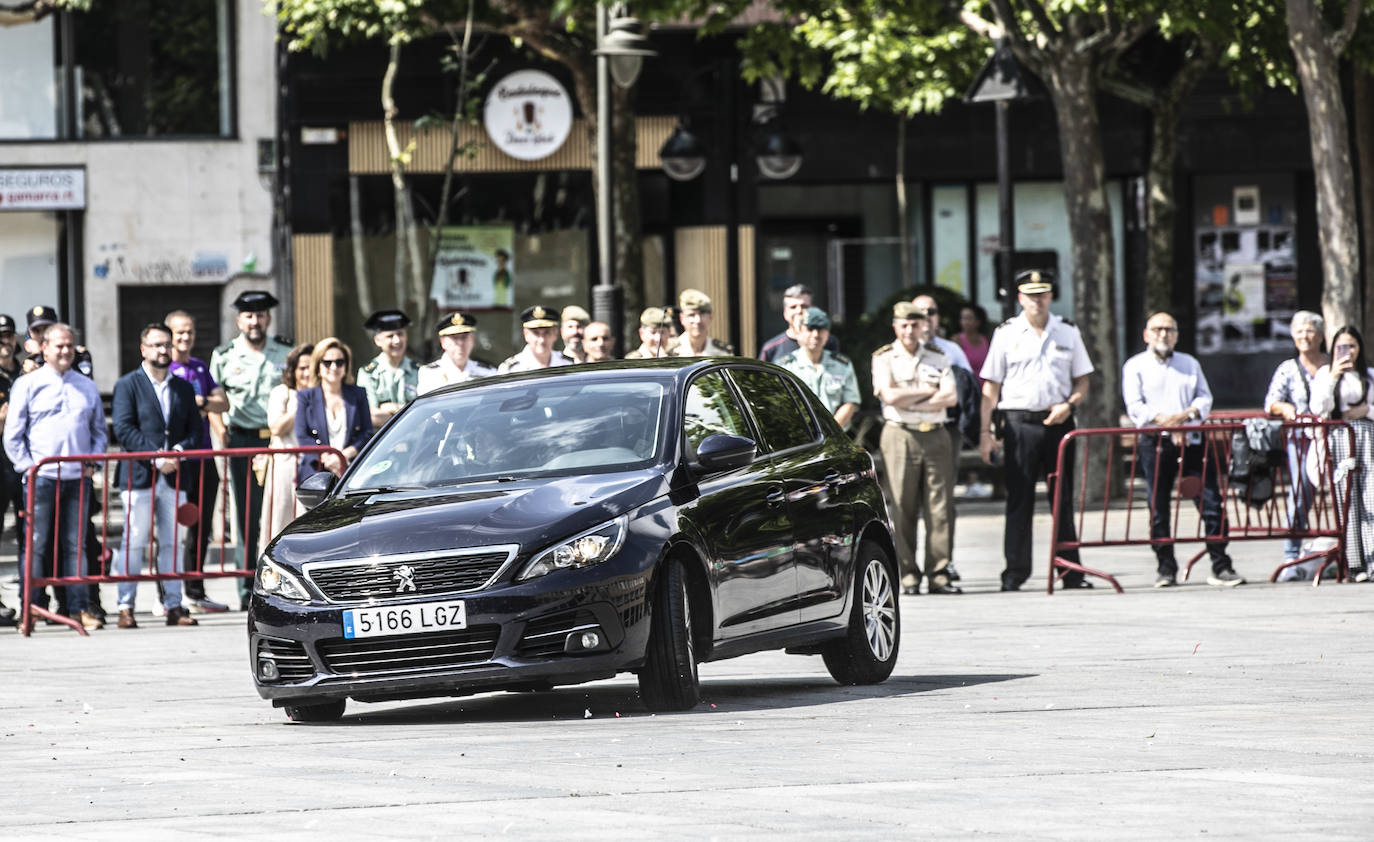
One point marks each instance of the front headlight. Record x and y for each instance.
(273, 580)
(591, 547)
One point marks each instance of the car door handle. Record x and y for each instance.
(776, 497)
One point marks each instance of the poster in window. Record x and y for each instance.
(473, 269)
(1246, 288)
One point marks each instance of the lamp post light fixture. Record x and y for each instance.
(682, 155)
(620, 52)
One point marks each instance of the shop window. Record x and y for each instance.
(28, 81)
(29, 270)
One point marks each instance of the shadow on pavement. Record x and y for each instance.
(727, 696)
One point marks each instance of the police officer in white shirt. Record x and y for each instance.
(457, 336)
(1035, 374)
(1166, 388)
(540, 325)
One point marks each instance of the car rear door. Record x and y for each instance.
(741, 517)
(811, 473)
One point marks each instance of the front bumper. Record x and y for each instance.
(516, 636)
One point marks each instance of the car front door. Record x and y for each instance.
(811, 474)
(741, 517)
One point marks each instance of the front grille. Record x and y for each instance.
(379, 579)
(289, 655)
(545, 637)
(436, 650)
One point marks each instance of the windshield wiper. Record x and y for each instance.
(382, 489)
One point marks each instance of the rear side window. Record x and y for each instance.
(711, 408)
(784, 422)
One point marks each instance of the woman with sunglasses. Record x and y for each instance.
(1341, 391)
(332, 411)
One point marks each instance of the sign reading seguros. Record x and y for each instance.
(32, 189)
(528, 115)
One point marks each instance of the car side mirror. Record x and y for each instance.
(722, 452)
(314, 488)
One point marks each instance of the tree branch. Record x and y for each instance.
(1340, 39)
(1042, 18)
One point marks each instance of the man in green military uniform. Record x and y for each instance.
(696, 321)
(830, 375)
(390, 378)
(653, 325)
(248, 367)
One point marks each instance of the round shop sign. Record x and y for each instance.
(528, 115)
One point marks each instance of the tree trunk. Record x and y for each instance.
(1161, 209)
(903, 213)
(1072, 82)
(1319, 71)
(400, 189)
(627, 230)
(1364, 149)
(361, 285)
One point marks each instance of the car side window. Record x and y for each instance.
(711, 408)
(784, 422)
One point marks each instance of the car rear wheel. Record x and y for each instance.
(668, 680)
(322, 712)
(868, 651)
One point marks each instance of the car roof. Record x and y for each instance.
(664, 368)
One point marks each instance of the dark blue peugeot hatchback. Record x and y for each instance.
(567, 525)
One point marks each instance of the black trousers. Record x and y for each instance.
(247, 500)
(1156, 454)
(1031, 450)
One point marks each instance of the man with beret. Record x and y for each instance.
(247, 367)
(573, 331)
(696, 321)
(653, 324)
(11, 492)
(540, 327)
(913, 380)
(457, 334)
(391, 378)
(598, 342)
(830, 375)
(1036, 372)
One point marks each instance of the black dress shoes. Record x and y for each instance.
(945, 589)
(1075, 584)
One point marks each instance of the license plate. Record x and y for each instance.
(404, 619)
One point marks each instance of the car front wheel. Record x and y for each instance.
(322, 712)
(668, 680)
(868, 651)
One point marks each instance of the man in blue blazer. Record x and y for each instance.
(153, 411)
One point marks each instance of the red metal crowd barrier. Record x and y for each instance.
(1119, 513)
(266, 463)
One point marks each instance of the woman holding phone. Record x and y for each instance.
(1341, 391)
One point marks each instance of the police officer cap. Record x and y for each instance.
(538, 316)
(40, 316)
(387, 320)
(1034, 282)
(694, 299)
(574, 313)
(905, 310)
(816, 319)
(456, 323)
(6, 323)
(653, 317)
(255, 301)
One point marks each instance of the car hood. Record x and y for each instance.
(531, 513)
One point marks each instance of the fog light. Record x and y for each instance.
(590, 640)
(268, 670)
(585, 642)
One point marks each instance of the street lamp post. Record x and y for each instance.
(620, 50)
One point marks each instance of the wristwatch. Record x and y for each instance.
(1193, 414)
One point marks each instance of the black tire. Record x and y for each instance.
(668, 680)
(322, 712)
(868, 651)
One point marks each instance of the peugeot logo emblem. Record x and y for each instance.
(405, 575)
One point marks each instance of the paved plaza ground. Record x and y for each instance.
(1193, 713)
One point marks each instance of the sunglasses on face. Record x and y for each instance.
(331, 363)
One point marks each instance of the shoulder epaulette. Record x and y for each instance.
(1007, 322)
(883, 350)
(285, 340)
(434, 364)
(225, 348)
(1068, 322)
(370, 367)
(841, 357)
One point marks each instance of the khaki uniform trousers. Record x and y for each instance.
(920, 476)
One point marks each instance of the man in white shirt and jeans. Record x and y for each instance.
(1166, 388)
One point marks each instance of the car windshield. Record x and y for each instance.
(526, 430)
